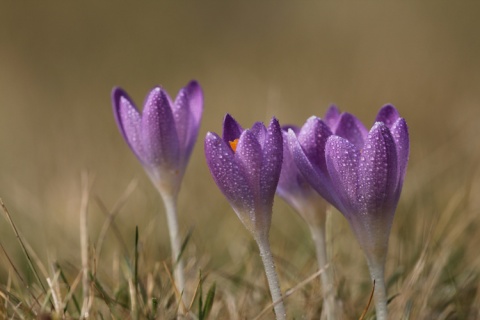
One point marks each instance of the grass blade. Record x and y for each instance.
(24, 249)
(209, 301)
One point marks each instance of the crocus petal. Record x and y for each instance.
(286, 127)
(128, 120)
(195, 96)
(332, 116)
(229, 177)
(249, 157)
(400, 135)
(182, 115)
(350, 128)
(388, 115)
(313, 137)
(259, 130)
(187, 112)
(231, 129)
(271, 164)
(378, 173)
(159, 135)
(318, 180)
(342, 162)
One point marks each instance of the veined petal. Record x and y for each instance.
(159, 135)
(231, 129)
(312, 138)
(332, 116)
(187, 112)
(129, 120)
(400, 135)
(249, 157)
(342, 162)
(229, 177)
(350, 128)
(318, 180)
(271, 164)
(181, 114)
(259, 130)
(388, 115)
(378, 173)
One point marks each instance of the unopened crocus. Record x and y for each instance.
(297, 192)
(245, 165)
(162, 137)
(361, 173)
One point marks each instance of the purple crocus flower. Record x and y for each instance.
(360, 172)
(246, 165)
(163, 135)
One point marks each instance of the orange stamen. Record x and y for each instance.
(233, 144)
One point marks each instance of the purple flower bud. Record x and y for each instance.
(245, 165)
(163, 135)
(361, 173)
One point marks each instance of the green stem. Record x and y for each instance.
(272, 277)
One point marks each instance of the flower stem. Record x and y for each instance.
(377, 272)
(326, 278)
(170, 203)
(272, 277)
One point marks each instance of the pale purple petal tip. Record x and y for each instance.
(312, 138)
(295, 128)
(332, 116)
(260, 132)
(187, 111)
(388, 115)
(195, 94)
(128, 120)
(352, 129)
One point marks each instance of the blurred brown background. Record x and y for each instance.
(60, 59)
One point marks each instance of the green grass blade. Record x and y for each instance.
(209, 301)
(184, 244)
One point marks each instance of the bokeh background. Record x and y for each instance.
(60, 59)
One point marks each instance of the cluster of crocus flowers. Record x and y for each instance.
(361, 173)
(334, 159)
(246, 165)
(162, 137)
